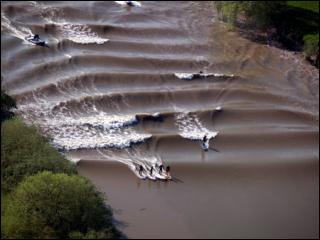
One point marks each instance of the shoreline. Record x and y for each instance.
(275, 32)
(267, 38)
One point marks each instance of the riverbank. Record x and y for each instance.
(290, 25)
(42, 195)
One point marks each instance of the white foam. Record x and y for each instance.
(17, 31)
(101, 130)
(184, 76)
(73, 131)
(101, 119)
(79, 33)
(219, 75)
(190, 127)
(68, 56)
(157, 114)
(88, 140)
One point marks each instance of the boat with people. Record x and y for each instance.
(36, 40)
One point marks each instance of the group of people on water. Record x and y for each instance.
(152, 169)
(161, 169)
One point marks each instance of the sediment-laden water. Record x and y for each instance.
(108, 89)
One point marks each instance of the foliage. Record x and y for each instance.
(262, 13)
(296, 22)
(307, 5)
(25, 152)
(311, 48)
(50, 205)
(229, 10)
(259, 13)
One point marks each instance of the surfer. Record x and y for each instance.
(161, 168)
(151, 171)
(205, 144)
(168, 172)
(36, 40)
(140, 170)
(36, 37)
(204, 138)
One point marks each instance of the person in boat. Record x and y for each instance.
(130, 3)
(36, 37)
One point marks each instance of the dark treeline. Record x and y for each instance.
(294, 24)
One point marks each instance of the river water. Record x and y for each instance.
(106, 92)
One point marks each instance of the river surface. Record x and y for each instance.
(107, 92)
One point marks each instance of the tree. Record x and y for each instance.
(25, 152)
(259, 13)
(50, 205)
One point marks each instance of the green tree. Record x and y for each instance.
(261, 14)
(311, 47)
(51, 205)
(25, 152)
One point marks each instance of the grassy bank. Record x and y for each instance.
(292, 24)
(42, 195)
(307, 5)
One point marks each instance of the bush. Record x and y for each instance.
(311, 44)
(25, 152)
(259, 13)
(51, 205)
(262, 14)
(229, 11)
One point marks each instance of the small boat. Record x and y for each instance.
(36, 41)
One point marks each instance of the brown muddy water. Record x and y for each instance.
(107, 92)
